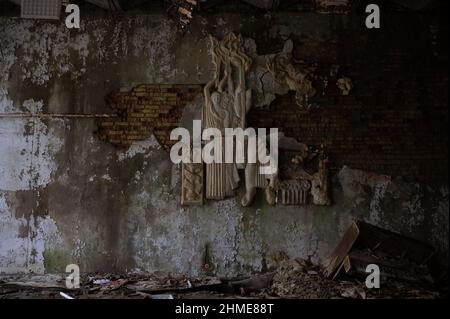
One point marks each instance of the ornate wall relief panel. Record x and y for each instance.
(192, 184)
(227, 101)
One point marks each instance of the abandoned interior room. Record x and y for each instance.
(197, 149)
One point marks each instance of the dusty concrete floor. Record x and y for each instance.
(292, 279)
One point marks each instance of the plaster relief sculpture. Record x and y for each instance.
(227, 101)
(283, 69)
(254, 181)
(304, 78)
(304, 187)
(192, 184)
(293, 192)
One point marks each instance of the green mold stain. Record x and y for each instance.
(55, 261)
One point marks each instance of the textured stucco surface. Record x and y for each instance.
(67, 197)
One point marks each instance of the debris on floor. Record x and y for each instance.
(404, 273)
(290, 279)
(297, 279)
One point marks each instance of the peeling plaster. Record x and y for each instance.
(156, 47)
(54, 51)
(410, 212)
(130, 208)
(23, 254)
(27, 149)
(141, 147)
(6, 105)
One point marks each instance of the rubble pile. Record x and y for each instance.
(297, 279)
(405, 271)
(294, 279)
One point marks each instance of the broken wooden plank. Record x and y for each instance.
(392, 250)
(341, 250)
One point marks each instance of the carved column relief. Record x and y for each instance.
(293, 192)
(227, 101)
(302, 187)
(192, 184)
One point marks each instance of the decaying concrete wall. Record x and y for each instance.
(68, 197)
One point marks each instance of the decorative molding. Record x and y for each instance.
(192, 184)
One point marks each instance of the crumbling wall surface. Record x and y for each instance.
(67, 196)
